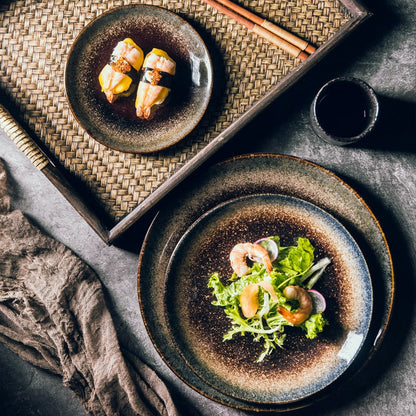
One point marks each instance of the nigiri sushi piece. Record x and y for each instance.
(155, 83)
(119, 76)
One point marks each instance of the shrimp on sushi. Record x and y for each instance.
(119, 76)
(155, 83)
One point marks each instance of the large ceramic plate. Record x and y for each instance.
(303, 366)
(247, 175)
(116, 125)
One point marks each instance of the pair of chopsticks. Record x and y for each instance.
(283, 39)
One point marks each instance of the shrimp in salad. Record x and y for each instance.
(254, 252)
(304, 311)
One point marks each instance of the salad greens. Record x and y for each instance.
(294, 266)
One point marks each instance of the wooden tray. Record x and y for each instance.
(112, 189)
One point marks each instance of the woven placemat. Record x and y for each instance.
(36, 35)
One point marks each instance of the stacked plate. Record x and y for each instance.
(241, 200)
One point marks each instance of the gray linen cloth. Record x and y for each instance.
(53, 314)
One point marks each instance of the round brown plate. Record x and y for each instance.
(302, 367)
(116, 125)
(243, 176)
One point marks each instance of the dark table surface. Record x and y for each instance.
(382, 171)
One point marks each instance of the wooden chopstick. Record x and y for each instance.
(271, 27)
(263, 28)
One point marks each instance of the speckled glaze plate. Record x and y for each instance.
(250, 175)
(304, 366)
(116, 125)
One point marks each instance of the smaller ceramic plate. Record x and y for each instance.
(116, 125)
(303, 367)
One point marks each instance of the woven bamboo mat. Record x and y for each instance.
(36, 35)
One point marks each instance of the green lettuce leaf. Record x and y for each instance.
(295, 260)
(314, 325)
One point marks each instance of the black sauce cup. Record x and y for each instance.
(344, 111)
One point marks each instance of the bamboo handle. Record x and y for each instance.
(22, 140)
(28, 146)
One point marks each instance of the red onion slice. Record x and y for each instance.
(271, 247)
(319, 303)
